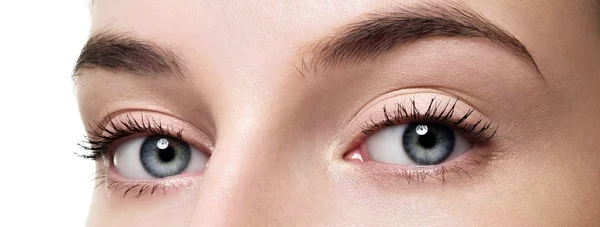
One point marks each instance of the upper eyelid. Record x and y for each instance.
(434, 113)
(188, 131)
(125, 121)
(103, 137)
(422, 97)
(131, 124)
(439, 91)
(202, 124)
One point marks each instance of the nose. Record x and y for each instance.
(250, 181)
(230, 187)
(265, 176)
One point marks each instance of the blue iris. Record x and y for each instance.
(164, 156)
(428, 143)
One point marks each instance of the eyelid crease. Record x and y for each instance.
(454, 92)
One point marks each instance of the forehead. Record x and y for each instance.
(282, 18)
(264, 34)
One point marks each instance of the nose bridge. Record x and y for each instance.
(234, 184)
(246, 176)
(257, 174)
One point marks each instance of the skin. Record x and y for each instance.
(277, 139)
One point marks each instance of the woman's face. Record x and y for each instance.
(343, 113)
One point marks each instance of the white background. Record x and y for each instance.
(42, 182)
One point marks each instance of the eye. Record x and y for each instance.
(157, 156)
(416, 144)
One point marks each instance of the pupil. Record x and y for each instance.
(167, 154)
(427, 140)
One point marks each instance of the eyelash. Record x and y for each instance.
(101, 139)
(104, 137)
(138, 189)
(402, 115)
(480, 132)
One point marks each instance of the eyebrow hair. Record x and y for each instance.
(112, 50)
(596, 5)
(384, 32)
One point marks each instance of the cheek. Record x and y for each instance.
(526, 191)
(559, 175)
(551, 171)
(113, 210)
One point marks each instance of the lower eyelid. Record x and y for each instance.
(117, 185)
(462, 169)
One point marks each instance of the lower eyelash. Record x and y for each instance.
(129, 188)
(442, 173)
(104, 136)
(436, 113)
(136, 189)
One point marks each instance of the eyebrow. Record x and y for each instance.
(367, 39)
(112, 50)
(384, 32)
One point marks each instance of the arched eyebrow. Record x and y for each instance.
(367, 39)
(112, 50)
(385, 31)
